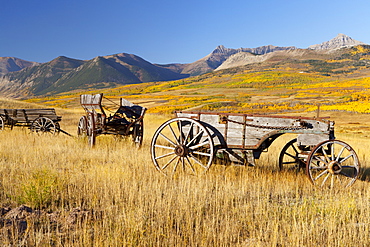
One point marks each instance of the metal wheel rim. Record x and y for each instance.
(289, 157)
(332, 164)
(43, 125)
(182, 144)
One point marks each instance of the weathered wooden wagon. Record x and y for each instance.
(127, 120)
(38, 120)
(192, 141)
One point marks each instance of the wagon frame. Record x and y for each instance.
(127, 120)
(37, 120)
(192, 141)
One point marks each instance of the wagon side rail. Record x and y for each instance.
(254, 132)
(28, 115)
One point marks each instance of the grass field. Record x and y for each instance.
(112, 195)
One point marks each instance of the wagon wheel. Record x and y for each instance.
(289, 157)
(82, 126)
(1, 123)
(333, 163)
(91, 131)
(44, 125)
(182, 144)
(138, 133)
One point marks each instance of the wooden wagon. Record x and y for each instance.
(127, 120)
(192, 141)
(38, 120)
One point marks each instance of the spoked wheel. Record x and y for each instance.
(291, 157)
(1, 123)
(91, 131)
(82, 126)
(182, 145)
(138, 134)
(333, 163)
(44, 125)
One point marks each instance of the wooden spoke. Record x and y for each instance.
(167, 139)
(197, 161)
(190, 164)
(169, 162)
(165, 147)
(1, 123)
(188, 134)
(320, 160)
(321, 174)
(200, 153)
(165, 155)
(176, 165)
(173, 134)
(199, 145)
(194, 138)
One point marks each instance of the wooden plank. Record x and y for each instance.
(91, 99)
(50, 111)
(91, 102)
(28, 115)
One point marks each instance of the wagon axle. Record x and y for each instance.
(334, 167)
(182, 150)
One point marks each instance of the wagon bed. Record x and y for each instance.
(192, 141)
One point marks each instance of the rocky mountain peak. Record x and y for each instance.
(222, 50)
(10, 64)
(341, 40)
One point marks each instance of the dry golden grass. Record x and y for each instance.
(131, 204)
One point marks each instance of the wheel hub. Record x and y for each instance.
(182, 150)
(334, 167)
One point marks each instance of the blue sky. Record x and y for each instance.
(173, 31)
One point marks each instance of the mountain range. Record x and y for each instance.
(20, 78)
(10, 64)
